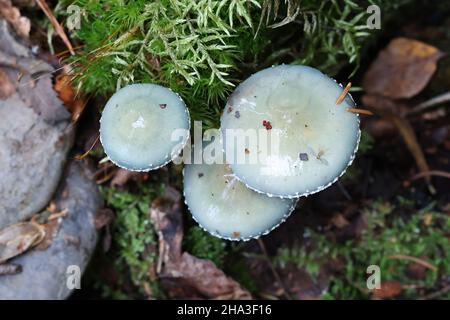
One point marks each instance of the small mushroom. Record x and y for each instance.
(226, 208)
(317, 137)
(138, 127)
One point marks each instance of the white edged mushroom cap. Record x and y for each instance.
(296, 106)
(144, 126)
(226, 208)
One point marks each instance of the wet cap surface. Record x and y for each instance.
(227, 208)
(143, 126)
(295, 105)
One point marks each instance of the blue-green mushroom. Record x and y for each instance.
(295, 106)
(144, 126)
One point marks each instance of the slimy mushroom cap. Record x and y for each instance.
(226, 208)
(296, 106)
(144, 126)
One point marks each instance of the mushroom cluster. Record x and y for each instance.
(298, 107)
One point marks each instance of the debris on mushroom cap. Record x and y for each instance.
(226, 208)
(318, 138)
(137, 125)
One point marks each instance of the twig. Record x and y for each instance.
(58, 215)
(274, 271)
(344, 191)
(84, 155)
(440, 99)
(10, 268)
(408, 135)
(438, 293)
(430, 173)
(268, 296)
(58, 28)
(362, 111)
(415, 260)
(106, 177)
(343, 94)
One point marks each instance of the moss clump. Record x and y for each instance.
(133, 238)
(203, 245)
(200, 49)
(422, 235)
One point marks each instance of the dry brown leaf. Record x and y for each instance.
(402, 69)
(122, 176)
(66, 92)
(103, 218)
(12, 15)
(182, 274)
(165, 214)
(339, 221)
(51, 230)
(18, 238)
(416, 271)
(207, 279)
(10, 268)
(389, 289)
(7, 88)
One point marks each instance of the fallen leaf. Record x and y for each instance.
(122, 176)
(165, 214)
(21, 24)
(7, 88)
(402, 69)
(51, 229)
(103, 218)
(10, 268)
(339, 221)
(208, 280)
(107, 239)
(18, 238)
(416, 271)
(389, 289)
(183, 275)
(66, 92)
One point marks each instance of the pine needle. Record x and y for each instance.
(58, 28)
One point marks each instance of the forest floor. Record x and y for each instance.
(391, 209)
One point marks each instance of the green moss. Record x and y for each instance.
(133, 236)
(333, 33)
(203, 245)
(239, 271)
(200, 49)
(423, 234)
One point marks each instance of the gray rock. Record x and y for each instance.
(44, 274)
(35, 133)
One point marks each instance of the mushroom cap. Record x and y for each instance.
(295, 105)
(226, 208)
(138, 127)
